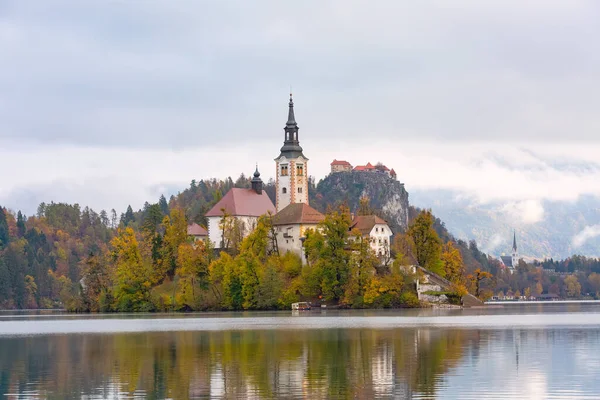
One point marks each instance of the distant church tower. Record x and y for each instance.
(292, 171)
(515, 254)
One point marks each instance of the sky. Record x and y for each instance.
(110, 103)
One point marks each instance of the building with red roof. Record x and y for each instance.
(340, 166)
(291, 225)
(241, 205)
(376, 231)
(197, 232)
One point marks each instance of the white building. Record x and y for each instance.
(243, 205)
(291, 225)
(376, 230)
(292, 166)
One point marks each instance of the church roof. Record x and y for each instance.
(243, 202)
(298, 213)
(506, 260)
(196, 230)
(366, 223)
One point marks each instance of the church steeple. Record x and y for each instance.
(291, 183)
(291, 145)
(515, 241)
(257, 183)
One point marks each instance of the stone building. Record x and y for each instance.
(291, 180)
(291, 225)
(340, 166)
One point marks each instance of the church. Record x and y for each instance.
(294, 216)
(511, 261)
(238, 211)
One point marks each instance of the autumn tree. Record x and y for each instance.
(175, 228)
(573, 286)
(475, 280)
(97, 280)
(330, 257)
(453, 265)
(133, 277)
(193, 260)
(232, 232)
(427, 245)
(364, 206)
(363, 263)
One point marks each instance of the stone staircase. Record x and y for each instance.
(467, 300)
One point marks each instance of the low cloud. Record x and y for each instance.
(526, 211)
(586, 234)
(493, 243)
(514, 180)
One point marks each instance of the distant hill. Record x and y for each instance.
(385, 194)
(491, 226)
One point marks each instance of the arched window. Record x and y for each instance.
(284, 190)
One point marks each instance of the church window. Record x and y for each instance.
(284, 170)
(300, 170)
(284, 190)
(299, 190)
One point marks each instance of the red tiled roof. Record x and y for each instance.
(392, 172)
(365, 223)
(298, 213)
(367, 167)
(196, 230)
(340, 162)
(243, 202)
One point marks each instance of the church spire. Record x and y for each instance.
(515, 241)
(291, 145)
(291, 122)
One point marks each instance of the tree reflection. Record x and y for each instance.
(332, 363)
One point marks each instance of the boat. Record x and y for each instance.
(301, 306)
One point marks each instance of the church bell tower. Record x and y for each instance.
(292, 170)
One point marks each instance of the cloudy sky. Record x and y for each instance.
(109, 103)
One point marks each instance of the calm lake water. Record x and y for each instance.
(513, 352)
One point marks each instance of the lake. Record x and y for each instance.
(517, 351)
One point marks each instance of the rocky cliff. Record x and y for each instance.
(385, 194)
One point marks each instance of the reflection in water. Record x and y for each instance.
(316, 364)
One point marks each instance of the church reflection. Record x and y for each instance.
(249, 364)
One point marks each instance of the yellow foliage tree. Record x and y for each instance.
(133, 276)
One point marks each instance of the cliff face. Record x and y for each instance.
(385, 194)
